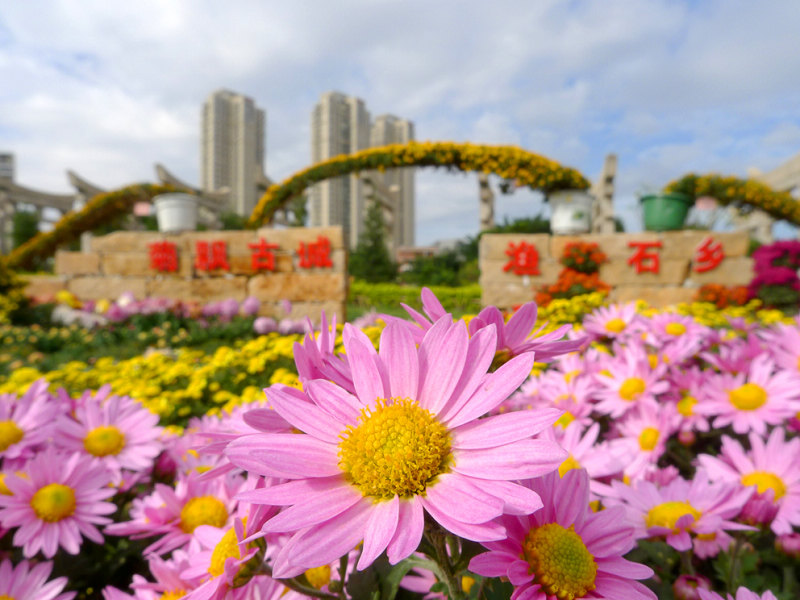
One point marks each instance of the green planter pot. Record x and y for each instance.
(665, 212)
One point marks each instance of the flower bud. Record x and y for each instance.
(789, 544)
(686, 586)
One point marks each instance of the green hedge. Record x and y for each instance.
(464, 299)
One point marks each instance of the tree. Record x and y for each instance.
(370, 260)
(26, 225)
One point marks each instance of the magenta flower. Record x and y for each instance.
(116, 430)
(29, 582)
(741, 594)
(25, 422)
(751, 401)
(565, 550)
(617, 320)
(61, 499)
(628, 380)
(368, 466)
(772, 466)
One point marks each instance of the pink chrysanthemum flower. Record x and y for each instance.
(25, 422)
(174, 513)
(686, 390)
(628, 380)
(666, 328)
(644, 433)
(783, 344)
(316, 359)
(571, 395)
(617, 320)
(735, 355)
(682, 511)
(29, 582)
(774, 465)
(368, 466)
(751, 401)
(61, 499)
(116, 430)
(741, 594)
(565, 550)
(167, 585)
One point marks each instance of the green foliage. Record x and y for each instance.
(370, 261)
(26, 225)
(230, 221)
(455, 299)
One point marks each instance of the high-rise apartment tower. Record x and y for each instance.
(341, 125)
(233, 148)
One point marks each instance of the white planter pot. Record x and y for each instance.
(176, 212)
(571, 212)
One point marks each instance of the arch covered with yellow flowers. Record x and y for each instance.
(98, 210)
(509, 162)
(741, 192)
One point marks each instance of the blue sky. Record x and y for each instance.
(108, 89)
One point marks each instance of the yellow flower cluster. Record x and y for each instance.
(509, 162)
(733, 190)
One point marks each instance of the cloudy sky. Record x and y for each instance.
(108, 89)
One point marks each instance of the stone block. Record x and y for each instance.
(731, 271)
(77, 263)
(672, 271)
(298, 286)
(291, 237)
(43, 287)
(199, 290)
(504, 295)
(137, 264)
(492, 272)
(132, 241)
(655, 296)
(110, 288)
(493, 246)
(301, 310)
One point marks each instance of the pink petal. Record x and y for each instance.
(293, 492)
(492, 564)
(503, 429)
(441, 357)
(617, 565)
(328, 541)
(399, 354)
(380, 530)
(462, 500)
(480, 355)
(519, 460)
(495, 388)
(337, 402)
(288, 455)
(431, 305)
(484, 532)
(521, 324)
(410, 523)
(362, 358)
(517, 499)
(306, 417)
(315, 509)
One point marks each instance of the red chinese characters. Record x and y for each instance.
(646, 258)
(708, 255)
(262, 256)
(524, 259)
(315, 254)
(163, 257)
(213, 256)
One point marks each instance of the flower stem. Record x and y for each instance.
(438, 539)
(734, 564)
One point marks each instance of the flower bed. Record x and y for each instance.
(636, 453)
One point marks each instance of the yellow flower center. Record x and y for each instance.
(568, 465)
(104, 441)
(615, 325)
(631, 388)
(686, 405)
(319, 577)
(173, 595)
(397, 448)
(227, 547)
(652, 360)
(667, 514)
(203, 510)
(4, 490)
(4, 597)
(10, 434)
(569, 376)
(466, 583)
(648, 439)
(560, 561)
(749, 396)
(675, 329)
(764, 480)
(53, 502)
(565, 420)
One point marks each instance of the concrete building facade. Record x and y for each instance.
(233, 133)
(341, 124)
